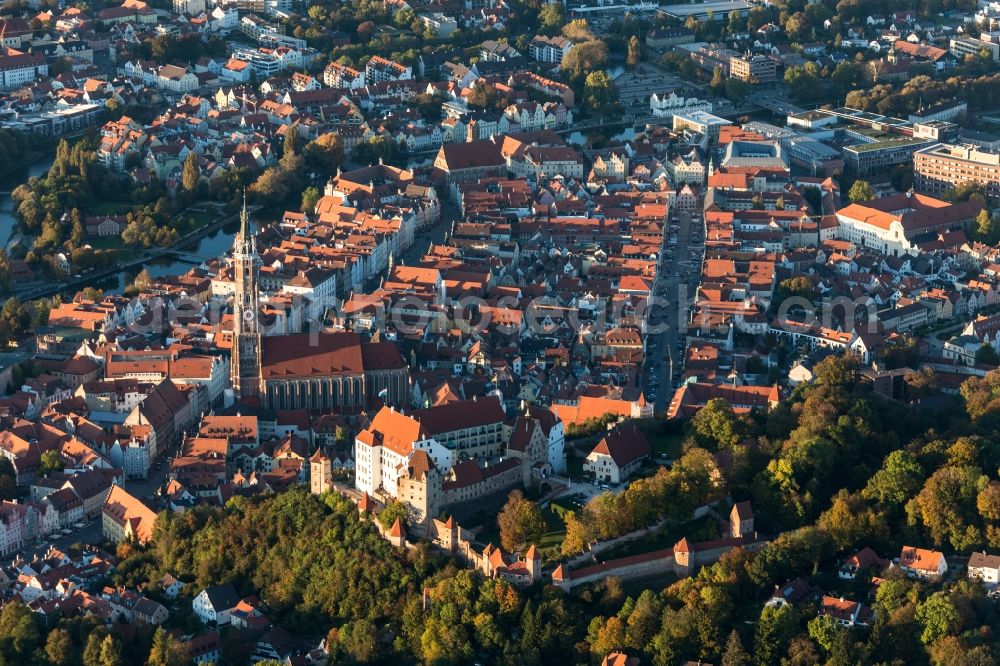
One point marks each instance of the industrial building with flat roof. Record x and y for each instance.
(718, 10)
(883, 155)
(700, 121)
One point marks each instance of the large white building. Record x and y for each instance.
(899, 224)
(189, 7)
(454, 453)
(338, 75)
(382, 450)
(549, 49)
(269, 61)
(18, 68)
(686, 168)
(668, 104)
(176, 79)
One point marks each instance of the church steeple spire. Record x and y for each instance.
(245, 363)
(244, 219)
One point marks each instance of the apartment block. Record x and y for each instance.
(943, 166)
(752, 69)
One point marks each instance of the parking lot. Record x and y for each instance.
(636, 87)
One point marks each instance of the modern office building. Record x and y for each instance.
(963, 46)
(752, 68)
(881, 155)
(943, 166)
(700, 121)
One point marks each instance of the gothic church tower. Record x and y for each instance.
(245, 362)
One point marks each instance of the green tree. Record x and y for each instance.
(938, 617)
(861, 190)
(718, 83)
(59, 648)
(521, 522)
(849, 519)
(165, 652)
(736, 22)
(358, 639)
(847, 75)
(584, 59)
(717, 426)
(50, 462)
(946, 506)
(903, 351)
(19, 634)
(598, 91)
(393, 510)
(799, 286)
(578, 30)
(143, 280)
(736, 90)
(310, 197)
(326, 153)
(986, 355)
(824, 630)
(735, 655)
(897, 481)
(776, 626)
(578, 535)
(552, 17)
(111, 652)
(605, 635)
(803, 81)
(987, 228)
(92, 649)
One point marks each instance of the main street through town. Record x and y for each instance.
(674, 287)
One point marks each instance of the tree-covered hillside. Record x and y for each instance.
(834, 468)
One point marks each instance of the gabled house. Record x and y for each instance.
(213, 605)
(616, 457)
(922, 563)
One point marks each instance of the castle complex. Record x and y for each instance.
(450, 455)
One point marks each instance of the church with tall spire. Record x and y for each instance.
(316, 369)
(245, 365)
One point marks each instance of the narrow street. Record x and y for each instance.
(676, 281)
(434, 234)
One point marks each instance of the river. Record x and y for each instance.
(215, 244)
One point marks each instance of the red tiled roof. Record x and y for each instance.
(624, 445)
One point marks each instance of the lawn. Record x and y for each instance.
(201, 217)
(110, 208)
(664, 436)
(550, 542)
(105, 242)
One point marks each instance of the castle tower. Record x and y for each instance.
(245, 365)
(320, 473)
(683, 566)
(533, 560)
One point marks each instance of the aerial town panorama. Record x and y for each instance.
(447, 332)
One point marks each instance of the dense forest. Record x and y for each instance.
(833, 468)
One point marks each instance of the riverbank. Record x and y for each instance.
(36, 166)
